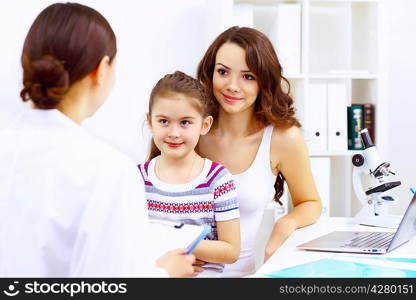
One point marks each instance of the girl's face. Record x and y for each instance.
(176, 125)
(234, 86)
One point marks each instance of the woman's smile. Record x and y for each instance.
(231, 99)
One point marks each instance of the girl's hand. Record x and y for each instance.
(198, 266)
(177, 264)
(199, 262)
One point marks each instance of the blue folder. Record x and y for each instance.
(332, 268)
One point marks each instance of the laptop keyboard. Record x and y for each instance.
(371, 240)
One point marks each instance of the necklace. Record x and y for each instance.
(187, 179)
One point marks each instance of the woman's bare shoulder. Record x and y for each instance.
(286, 142)
(284, 138)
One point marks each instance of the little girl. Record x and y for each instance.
(180, 184)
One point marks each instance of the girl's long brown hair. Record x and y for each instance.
(273, 105)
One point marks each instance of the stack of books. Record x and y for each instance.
(360, 116)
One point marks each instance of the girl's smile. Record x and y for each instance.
(173, 145)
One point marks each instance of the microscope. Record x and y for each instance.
(374, 199)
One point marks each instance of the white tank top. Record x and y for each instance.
(255, 188)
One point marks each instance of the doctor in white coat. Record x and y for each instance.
(70, 205)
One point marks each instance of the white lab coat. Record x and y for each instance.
(70, 205)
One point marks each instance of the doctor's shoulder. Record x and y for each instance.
(114, 165)
(108, 156)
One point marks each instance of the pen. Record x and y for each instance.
(412, 190)
(195, 243)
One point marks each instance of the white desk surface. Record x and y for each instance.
(287, 255)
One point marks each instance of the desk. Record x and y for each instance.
(288, 256)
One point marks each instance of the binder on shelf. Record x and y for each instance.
(316, 117)
(369, 119)
(321, 168)
(285, 35)
(337, 117)
(355, 124)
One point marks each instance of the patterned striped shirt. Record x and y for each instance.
(209, 198)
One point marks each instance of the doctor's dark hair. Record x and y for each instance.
(65, 43)
(179, 83)
(274, 105)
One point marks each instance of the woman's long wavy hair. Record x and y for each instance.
(273, 105)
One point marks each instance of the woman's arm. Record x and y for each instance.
(290, 156)
(226, 249)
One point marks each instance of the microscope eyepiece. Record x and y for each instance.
(365, 137)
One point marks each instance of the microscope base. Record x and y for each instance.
(388, 221)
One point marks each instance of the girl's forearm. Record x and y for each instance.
(217, 252)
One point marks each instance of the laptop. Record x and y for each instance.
(367, 242)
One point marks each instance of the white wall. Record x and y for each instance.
(160, 36)
(402, 96)
(154, 38)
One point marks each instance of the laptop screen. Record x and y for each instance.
(407, 227)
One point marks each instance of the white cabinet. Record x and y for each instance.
(315, 117)
(331, 52)
(337, 101)
(288, 42)
(321, 170)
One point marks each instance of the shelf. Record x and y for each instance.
(271, 2)
(343, 1)
(340, 75)
(336, 62)
(343, 37)
(294, 76)
(334, 153)
(266, 2)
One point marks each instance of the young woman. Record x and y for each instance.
(257, 137)
(70, 205)
(180, 184)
